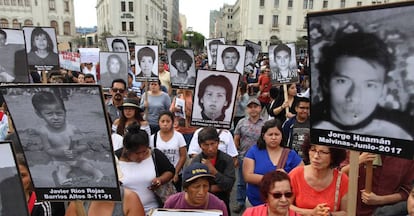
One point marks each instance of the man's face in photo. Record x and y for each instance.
(213, 52)
(355, 86)
(214, 99)
(282, 60)
(230, 60)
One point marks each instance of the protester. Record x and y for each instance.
(118, 92)
(265, 156)
(172, 144)
(155, 101)
(197, 181)
(277, 196)
(319, 188)
(247, 132)
(219, 163)
(143, 169)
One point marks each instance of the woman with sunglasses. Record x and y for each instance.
(277, 195)
(319, 188)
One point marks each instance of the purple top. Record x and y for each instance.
(177, 201)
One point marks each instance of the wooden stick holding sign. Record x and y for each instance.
(368, 176)
(353, 183)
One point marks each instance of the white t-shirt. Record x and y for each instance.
(138, 177)
(226, 144)
(170, 148)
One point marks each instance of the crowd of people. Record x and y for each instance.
(279, 171)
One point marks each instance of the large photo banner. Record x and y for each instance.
(12, 196)
(363, 79)
(214, 98)
(13, 58)
(65, 139)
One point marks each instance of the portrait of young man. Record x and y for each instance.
(231, 58)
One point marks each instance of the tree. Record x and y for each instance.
(196, 40)
(102, 40)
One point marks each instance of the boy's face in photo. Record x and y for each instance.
(53, 114)
(249, 57)
(182, 65)
(118, 47)
(282, 60)
(356, 86)
(230, 60)
(214, 99)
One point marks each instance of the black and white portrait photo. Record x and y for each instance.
(113, 65)
(212, 45)
(41, 48)
(117, 44)
(361, 97)
(214, 98)
(12, 197)
(182, 67)
(146, 63)
(13, 57)
(282, 60)
(252, 52)
(230, 58)
(65, 138)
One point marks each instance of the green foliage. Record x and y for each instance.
(197, 40)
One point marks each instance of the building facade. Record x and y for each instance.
(142, 22)
(267, 22)
(55, 13)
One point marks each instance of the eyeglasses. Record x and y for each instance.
(118, 90)
(279, 195)
(319, 152)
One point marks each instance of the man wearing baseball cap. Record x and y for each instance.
(196, 184)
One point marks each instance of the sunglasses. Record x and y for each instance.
(118, 90)
(279, 195)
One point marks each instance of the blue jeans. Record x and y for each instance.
(241, 184)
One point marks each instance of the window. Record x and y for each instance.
(66, 28)
(16, 24)
(27, 3)
(28, 23)
(305, 4)
(342, 3)
(123, 6)
(6, 2)
(123, 26)
(262, 2)
(54, 24)
(290, 3)
(260, 19)
(325, 4)
(275, 21)
(359, 4)
(20, 2)
(131, 6)
(13, 2)
(310, 4)
(66, 6)
(4, 23)
(276, 4)
(131, 26)
(52, 5)
(289, 20)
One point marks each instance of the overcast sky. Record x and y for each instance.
(196, 11)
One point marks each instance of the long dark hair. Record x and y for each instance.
(261, 144)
